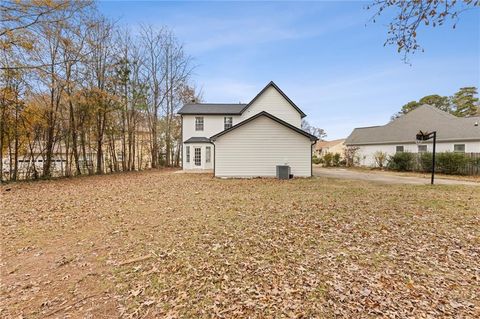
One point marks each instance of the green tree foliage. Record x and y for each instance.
(328, 159)
(440, 102)
(336, 159)
(462, 103)
(465, 102)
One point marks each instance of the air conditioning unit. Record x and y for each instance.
(283, 171)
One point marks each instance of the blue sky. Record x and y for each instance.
(320, 53)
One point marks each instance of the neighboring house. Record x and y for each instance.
(454, 134)
(247, 140)
(335, 146)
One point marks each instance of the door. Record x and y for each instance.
(197, 158)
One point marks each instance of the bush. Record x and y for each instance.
(316, 160)
(327, 159)
(402, 161)
(380, 158)
(451, 163)
(426, 162)
(336, 159)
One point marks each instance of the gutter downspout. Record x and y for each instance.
(311, 157)
(181, 152)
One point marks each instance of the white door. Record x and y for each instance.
(197, 157)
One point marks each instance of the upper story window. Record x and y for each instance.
(422, 148)
(227, 122)
(199, 123)
(399, 149)
(459, 148)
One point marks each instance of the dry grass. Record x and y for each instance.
(238, 248)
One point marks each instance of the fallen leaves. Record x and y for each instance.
(176, 245)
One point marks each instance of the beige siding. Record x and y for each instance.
(255, 149)
(273, 102)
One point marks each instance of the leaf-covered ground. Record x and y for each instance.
(158, 244)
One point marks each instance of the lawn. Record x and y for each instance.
(158, 244)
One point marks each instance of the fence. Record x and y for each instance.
(448, 163)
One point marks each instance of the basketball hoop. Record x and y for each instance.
(421, 138)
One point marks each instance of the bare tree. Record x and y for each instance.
(409, 16)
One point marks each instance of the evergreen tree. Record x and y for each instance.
(465, 101)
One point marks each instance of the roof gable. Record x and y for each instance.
(272, 84)
(270, 116)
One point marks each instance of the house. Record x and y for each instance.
(454, 134)
(247, 140)
(335, 146)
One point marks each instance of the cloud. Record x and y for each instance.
(208, 32)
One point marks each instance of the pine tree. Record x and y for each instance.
(465, 102)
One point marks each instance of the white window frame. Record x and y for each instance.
(197, 155)
(459, 151)
(187, 153)
(399, 146)
(227, 125)
(208, 154)
(199, 123)
(422, 151)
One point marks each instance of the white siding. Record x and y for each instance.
(273, 102)
(255, 149)
(203, 151)
(212, 124)
(366, 152)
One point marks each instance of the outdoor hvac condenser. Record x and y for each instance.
(283, 171)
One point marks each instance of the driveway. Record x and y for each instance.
(382, 177)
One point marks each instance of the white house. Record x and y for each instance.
(247, 140)
(454, 134)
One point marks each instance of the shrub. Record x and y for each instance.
(380, 158)
(327, 159)
(451, 163)
(426, 162)
(402, 161)
(351, 156)
(316, 160)
(336, 159)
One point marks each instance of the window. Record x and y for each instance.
(422, 148)
(187, 151)
(208, 150)
(399, 149)
(199, 123)
(227, 122)
(459, 148)
(197, 156)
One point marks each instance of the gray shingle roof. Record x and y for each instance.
(212, 108)
(196, 139)
(426, 118)
(231, 109)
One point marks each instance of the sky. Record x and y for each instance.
(327, 56)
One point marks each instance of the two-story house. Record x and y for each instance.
(247, 140)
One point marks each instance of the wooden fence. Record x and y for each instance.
(469, 166)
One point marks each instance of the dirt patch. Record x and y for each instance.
(156, 244)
